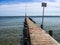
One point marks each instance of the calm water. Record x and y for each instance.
(12, 27)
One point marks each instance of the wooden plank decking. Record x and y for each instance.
(39, 36)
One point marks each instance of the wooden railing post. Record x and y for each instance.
(26, 35)
(50, 32)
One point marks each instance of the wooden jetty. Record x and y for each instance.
(36, 36)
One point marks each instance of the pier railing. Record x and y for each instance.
(26, 35)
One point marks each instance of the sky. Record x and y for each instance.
(33, 7)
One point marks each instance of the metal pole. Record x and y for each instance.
(42, 19)
(43, 5)
(25, 10)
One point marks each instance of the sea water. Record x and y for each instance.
(11, 27)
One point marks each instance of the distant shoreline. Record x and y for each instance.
(30, 16)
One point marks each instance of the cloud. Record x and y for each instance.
(43, 0)
(17, 9)
(53, 8)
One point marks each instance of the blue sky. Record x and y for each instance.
(6, 1)
(17, 7)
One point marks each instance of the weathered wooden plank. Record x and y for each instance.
(39, 36)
